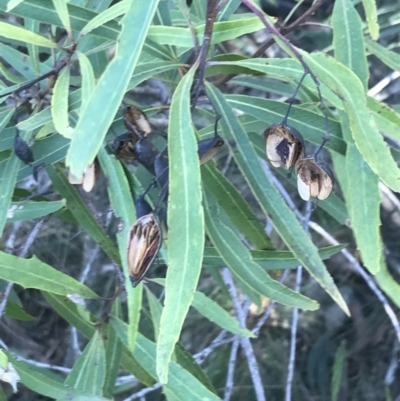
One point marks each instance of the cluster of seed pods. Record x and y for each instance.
(285, 148)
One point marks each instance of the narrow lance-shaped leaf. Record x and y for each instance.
(29, 210)
(389, 57)
(283, 219)
(8, 179)
(81, 212)
(369, 141)
(10, 31)
(63, 14)
(44, 385)
(59, 105)
(119, 193)
(88, 80)
(33, 273)
(361, 182)
(348, 39)
(371, 13)
(235, 206)
(185, 221)
(183, 384)
(107, 15)
(89, 371)
(238, 258)
(108, 94)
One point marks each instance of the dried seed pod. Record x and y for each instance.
(208, 148)
(136, 122)
(88, 179)
(284, 145)
(144, 242)
(314, 179)
(22, 150)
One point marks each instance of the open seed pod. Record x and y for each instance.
(136, 122)
(284, 145)
(208, 148)
(89, 178)
(144, 242)
(314, 179)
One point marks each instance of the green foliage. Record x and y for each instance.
(108, 57)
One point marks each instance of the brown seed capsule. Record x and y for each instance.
(208, 148)
(314, 179)
(144, 242)
(88, 180)
(136, 122)
(284, 145)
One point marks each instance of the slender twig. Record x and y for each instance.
(273, 31)
(211, 13)
(295, 318)
(283, 30)
(143, 392)
(244, 342)
(24, 251)
(231, 369)
(44, 365)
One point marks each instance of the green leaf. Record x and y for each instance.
(185, 221)
(363, 195)
(8, 179)
(32, 273)
(29, 210)
(44, 385)
(348, 39)
(369, 141)
(81, 212)
(69, 311)
(89, 371)
(88, 80)
(388, 284)
(155, 311)
(311, 125)
(33, 50)
(14, 311)
(213, 312)
(338, 368)
(371, 13)
(113, 353)
(235, 206)
(59, 105)
(108, 94)
(62, 11)
(23, 35)
(283, 219)
(238, 258)
(390, 58)
(287, 69)
(120, 194)
(386, 118)
(107, 15)
(12, 3)
(180, 382)
(270, 260)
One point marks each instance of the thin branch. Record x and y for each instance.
(231, 369)
(143, 392)
(245, 342)
(284, 31)
(211, 13)
(273, 31)
(295, 318)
